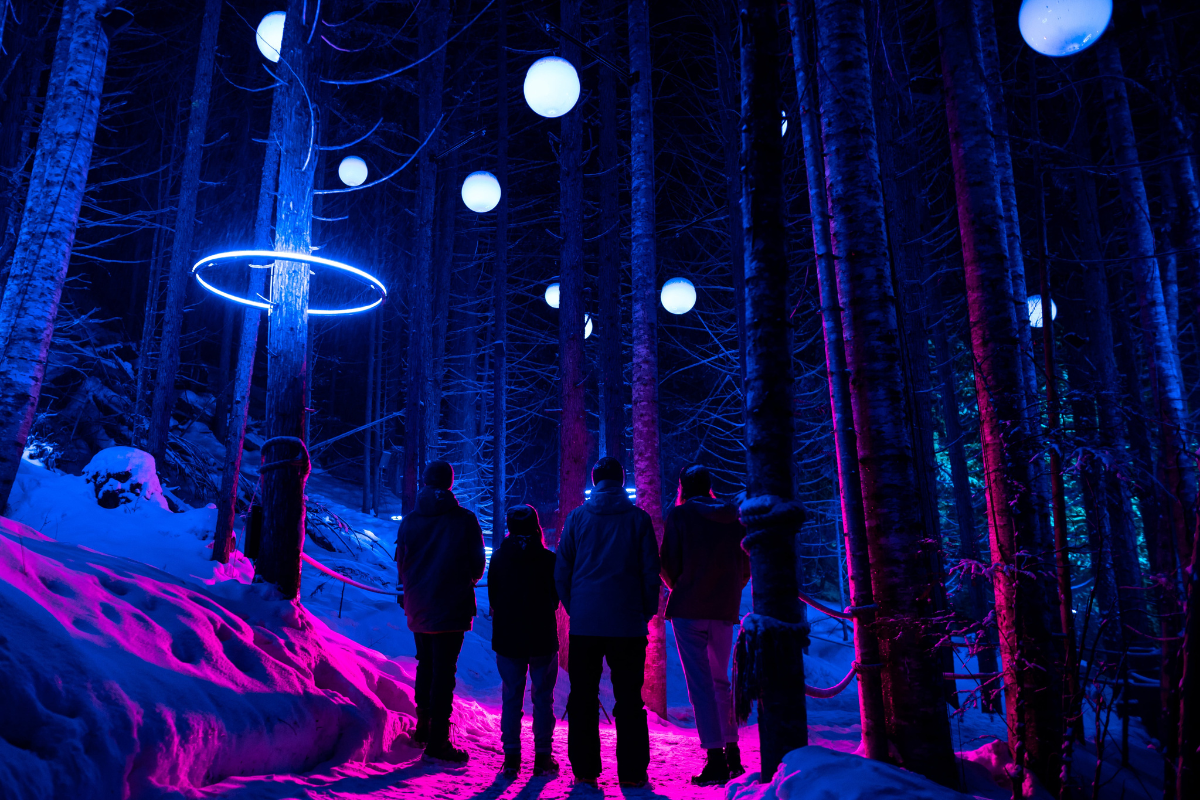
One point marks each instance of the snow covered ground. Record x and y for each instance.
(208, 610)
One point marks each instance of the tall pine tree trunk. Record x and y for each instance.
(179, 269)
(500, 298)
(647, 472)
(48, 223)
(612, 379)
(903, 585)
(774, 635)
(285, 464)
(1030, 665)
(866, 643)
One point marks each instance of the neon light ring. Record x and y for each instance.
(211, 261)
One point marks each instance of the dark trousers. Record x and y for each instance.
(437, 661)
(543, 673)
(626, 657)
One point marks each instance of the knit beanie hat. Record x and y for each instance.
(438, 475)
(523, 521)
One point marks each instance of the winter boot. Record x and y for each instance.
(446, 752)
(420, 734)
(544, 764)
(634, 781)
(512, 764)
(715, 772)
(733, 757)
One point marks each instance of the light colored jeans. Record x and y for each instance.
(704, 648)
(543, 674)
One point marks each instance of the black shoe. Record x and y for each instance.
(544, 764)
(635, 782)
(447, 753)
(420, 734)
(512, 764)
(715, 772)
(592, 781)
(733, 758)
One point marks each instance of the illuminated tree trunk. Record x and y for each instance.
(369, 414)
(902, 582)
(612, 379)
(43, 248)
(179, 269)
(239, 410)
(285, 459)
(500, 297)
(728, 91)
(774, 635)
(1022, 609)
(647, 471)
(866, 643)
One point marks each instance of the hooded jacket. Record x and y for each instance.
(607, 567)
(523, 598)
(439, 553)
(703, 563)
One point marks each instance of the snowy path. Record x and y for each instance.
(675, 756)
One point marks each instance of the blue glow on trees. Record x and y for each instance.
(1063, 27)
(352, 171)
(481, 192)
(678, 296)
(269, 36)
(551, 86)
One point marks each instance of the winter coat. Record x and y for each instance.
(523, 598)
(607, 568)
(703, 563)
(439, 552)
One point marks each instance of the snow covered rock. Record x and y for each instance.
(817, 773)
(124, 476)
(121, 680)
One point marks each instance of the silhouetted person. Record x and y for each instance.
(706, 569)
(607, 578)
(525, 636)
(439, 552)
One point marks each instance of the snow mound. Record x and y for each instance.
(817, 773)
(124, 476)
(124, 681)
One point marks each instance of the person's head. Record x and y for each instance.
(438, 475)
(608, 469)
(523, 523)
(694, 481)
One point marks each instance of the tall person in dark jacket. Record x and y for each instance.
(706, 569)
(525, 637)
(607, 578)
(439, 553)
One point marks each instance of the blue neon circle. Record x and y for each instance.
(368, 279)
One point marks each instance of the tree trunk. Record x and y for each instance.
(903, 586)
(866, 643)
(500, 298)
(612, 379)
(647, 472)
(178, 271)
(285, 457)
(1030, 665)
(774, 635)
(48, 222)
(369, 415)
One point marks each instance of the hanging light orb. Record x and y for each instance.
(678, 295)
(481, 192)
(352, 171)
(551, 86)
(1063, 27)
(1034, 304)
(269, 36)
(783, 128)
(587, 325)
(552, 295)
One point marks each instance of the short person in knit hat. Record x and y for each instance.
(525, 636)
(440, 557)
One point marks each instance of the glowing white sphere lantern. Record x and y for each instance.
(1034, 304)
(783, 127)
(269, 36)
(587, 325)
(1063, 27)
(551, 86)
(552, 295)
(481, 192)
(352, 171)
(678, 295)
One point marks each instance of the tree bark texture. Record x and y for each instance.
(1030, 664)
(726, 46)
(866, 643)
(285, 456)
(500, 296)
(48, 223)
(902, 585)
(612, 378)
(647, 470)
(775, 634)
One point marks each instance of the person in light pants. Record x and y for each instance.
(705, 568)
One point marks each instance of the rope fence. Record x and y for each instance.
(334, 574)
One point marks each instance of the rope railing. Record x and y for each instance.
(850, 613)
(334, 574)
